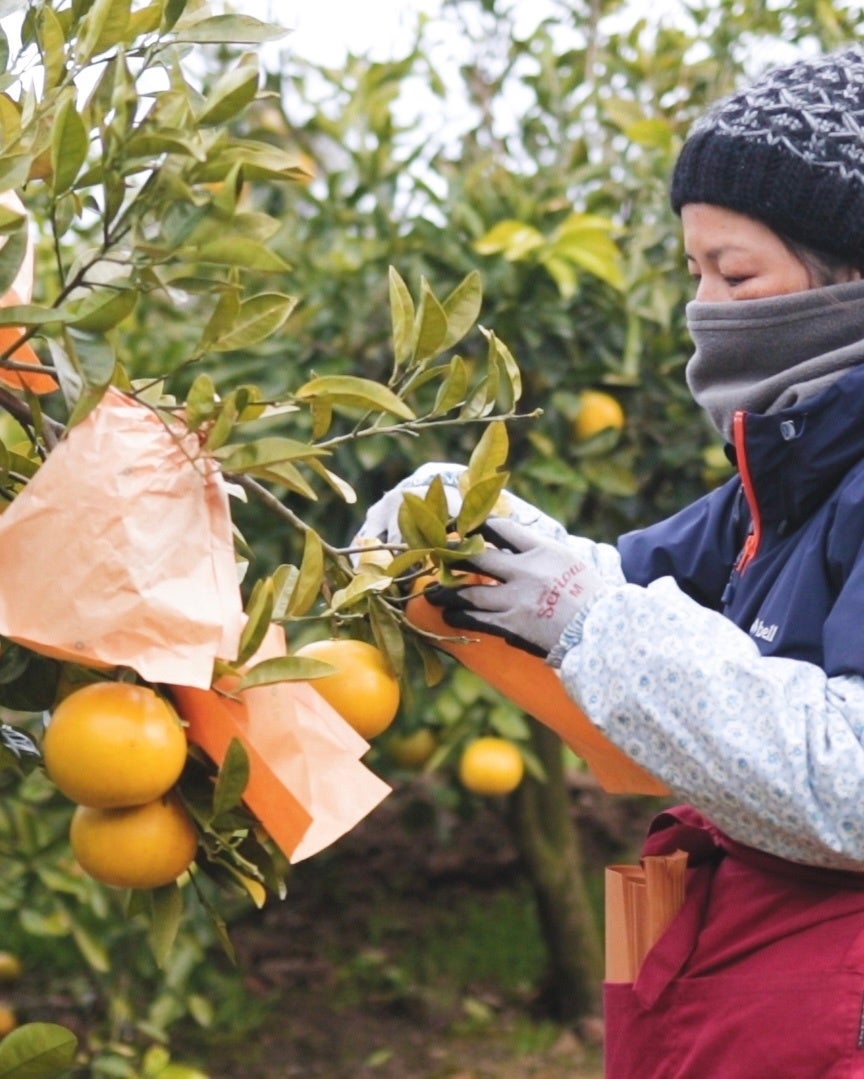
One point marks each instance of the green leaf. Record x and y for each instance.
(256, 319)
(322, 418)
(436, 499)
(11, 257)
(37, 1051)
(222, 320)
(165, 917)
(286, 475)
(232, 780)
(231, 94)
(96, 361)
(609, 476)
(502, 353)
(284, 580)
(173, 10)
(360, 585)
(102, 27)
(68, 146)
(584, 240)
(462, 308)
(401, 318)
(237, 251)
(563, 274)
(430, 330)
(144, 21)
(201, 402)
(285, 669)
(104, 310)
(259, 161)
(265, 451)
(389, 635)
(94, 951)
(31, 314)
(308, 585)
(15, 170)
(452, 391)
(655, 133)
(10, 119)
(479, 501)
(227, 30)
(342, 488)
(512, 239)
(490, 453)
(420, 524)
(52, 42)
(259, 611)
(349, 390)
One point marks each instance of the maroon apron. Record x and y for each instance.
(759, 976)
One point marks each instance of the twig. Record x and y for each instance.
(272, 502)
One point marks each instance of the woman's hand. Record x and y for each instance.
(542, 586)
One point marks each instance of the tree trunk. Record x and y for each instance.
(549, 845)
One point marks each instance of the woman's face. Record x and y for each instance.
(733, 257)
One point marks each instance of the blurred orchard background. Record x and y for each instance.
(451, 934)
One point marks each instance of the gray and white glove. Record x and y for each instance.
(543, 587)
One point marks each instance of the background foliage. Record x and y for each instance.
(227, 234)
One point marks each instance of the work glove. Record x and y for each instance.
(381, 523)
(543, 588)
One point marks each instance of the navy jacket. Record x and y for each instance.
(778, 548)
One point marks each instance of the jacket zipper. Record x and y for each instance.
(754, 538)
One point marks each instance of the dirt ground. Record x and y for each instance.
(329, 965)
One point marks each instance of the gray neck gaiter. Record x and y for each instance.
(766, 355)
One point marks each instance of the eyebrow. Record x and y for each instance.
(717, 251)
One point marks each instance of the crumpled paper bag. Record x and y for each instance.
(119, 551)
(21, 291)
(307, 785)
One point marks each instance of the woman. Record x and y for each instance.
(723, 649)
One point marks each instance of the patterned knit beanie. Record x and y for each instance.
(788, 151)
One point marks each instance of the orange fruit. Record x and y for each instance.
(11, 967)
(363, 689)
(142, 846)
(598, 411)
(414, 749)
(8, 1020)
(35, 381)
(491, 765)
(113, 744)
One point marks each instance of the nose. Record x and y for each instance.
(711, 289)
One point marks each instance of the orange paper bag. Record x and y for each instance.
(119, 551)
(306, 785)
(21, 291)
(536, 689)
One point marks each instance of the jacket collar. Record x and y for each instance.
(797, 456)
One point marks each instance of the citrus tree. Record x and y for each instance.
(145, 197)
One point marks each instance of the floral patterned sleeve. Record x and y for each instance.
(770, 748)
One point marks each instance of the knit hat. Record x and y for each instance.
(789, 151)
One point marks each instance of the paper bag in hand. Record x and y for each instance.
(306, 785)
(536, 689)
(119, 551)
